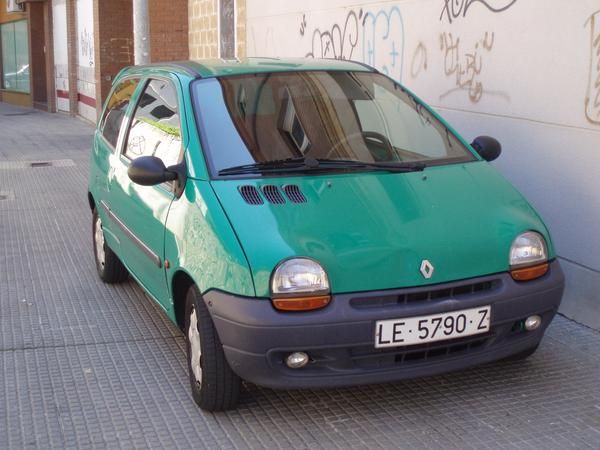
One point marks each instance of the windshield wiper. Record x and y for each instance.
(259, 167)
(309, 164)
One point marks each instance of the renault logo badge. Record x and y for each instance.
(426, 269)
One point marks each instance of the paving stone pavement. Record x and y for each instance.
(87, 365)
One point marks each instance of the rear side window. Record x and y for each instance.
(114, 114)
(155, 128)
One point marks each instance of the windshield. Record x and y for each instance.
(340, 116)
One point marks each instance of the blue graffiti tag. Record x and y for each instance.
(384, 51)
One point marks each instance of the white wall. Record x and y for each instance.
(86, 87)
(524, 71)
(61, 61)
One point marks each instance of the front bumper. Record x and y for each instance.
(340, 338)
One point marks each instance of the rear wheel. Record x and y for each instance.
(215, 387)
(110, 268)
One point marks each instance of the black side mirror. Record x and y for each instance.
(487, 147)
(149, 171)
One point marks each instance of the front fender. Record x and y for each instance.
(200, 241)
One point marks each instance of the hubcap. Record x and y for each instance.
(195, 349)
(99, 242)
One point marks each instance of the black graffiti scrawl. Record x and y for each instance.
(453, 9)
(339, 41)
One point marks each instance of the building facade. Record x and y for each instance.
(61, 55)
(217, 28)
(24, 65)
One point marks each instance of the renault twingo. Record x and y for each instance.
(312, 223)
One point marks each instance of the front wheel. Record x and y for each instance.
(215, 387)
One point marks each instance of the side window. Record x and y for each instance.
(155, 129)
(114, 114)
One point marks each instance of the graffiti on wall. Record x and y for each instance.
(376, 36)
(379, 34)
(465, 67)
(592, 99)
(383, 41)
(86, 45)
(419, 60)
(453, 9)
(339, 41)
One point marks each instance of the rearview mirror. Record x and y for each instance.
(487, 147)
(149, 171)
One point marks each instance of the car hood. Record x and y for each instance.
(373, 230)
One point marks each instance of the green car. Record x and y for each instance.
(312, 223)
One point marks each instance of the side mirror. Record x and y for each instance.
(487, 147)
(149, 171)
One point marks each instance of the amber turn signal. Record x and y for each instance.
(529, 273)
(301, 303)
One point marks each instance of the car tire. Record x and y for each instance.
(110, 269)
(215, 387)
(522, 355)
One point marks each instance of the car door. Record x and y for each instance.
(141, 211)
(107, 142)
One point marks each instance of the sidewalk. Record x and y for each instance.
(87, 365)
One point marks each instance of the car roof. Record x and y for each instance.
(208, 68)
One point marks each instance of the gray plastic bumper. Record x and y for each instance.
(340, 338)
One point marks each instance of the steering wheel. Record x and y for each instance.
(382, 142)
(374, 137)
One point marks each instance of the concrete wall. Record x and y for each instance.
(524, 71)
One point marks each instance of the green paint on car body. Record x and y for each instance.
(369, 230)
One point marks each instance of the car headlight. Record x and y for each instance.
(299, 284)
(528, 256)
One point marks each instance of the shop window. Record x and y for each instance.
(15, 56)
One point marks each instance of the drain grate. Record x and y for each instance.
(26, 113)
(7, 165)
(41, 164)
(7, 195)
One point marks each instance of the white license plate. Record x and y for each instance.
(436, 327)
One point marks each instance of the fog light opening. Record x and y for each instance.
(533, 323)
(518, 326)
(297, 360)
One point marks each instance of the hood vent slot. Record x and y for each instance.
(294, 193)
(273, 194)
(251, 195)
